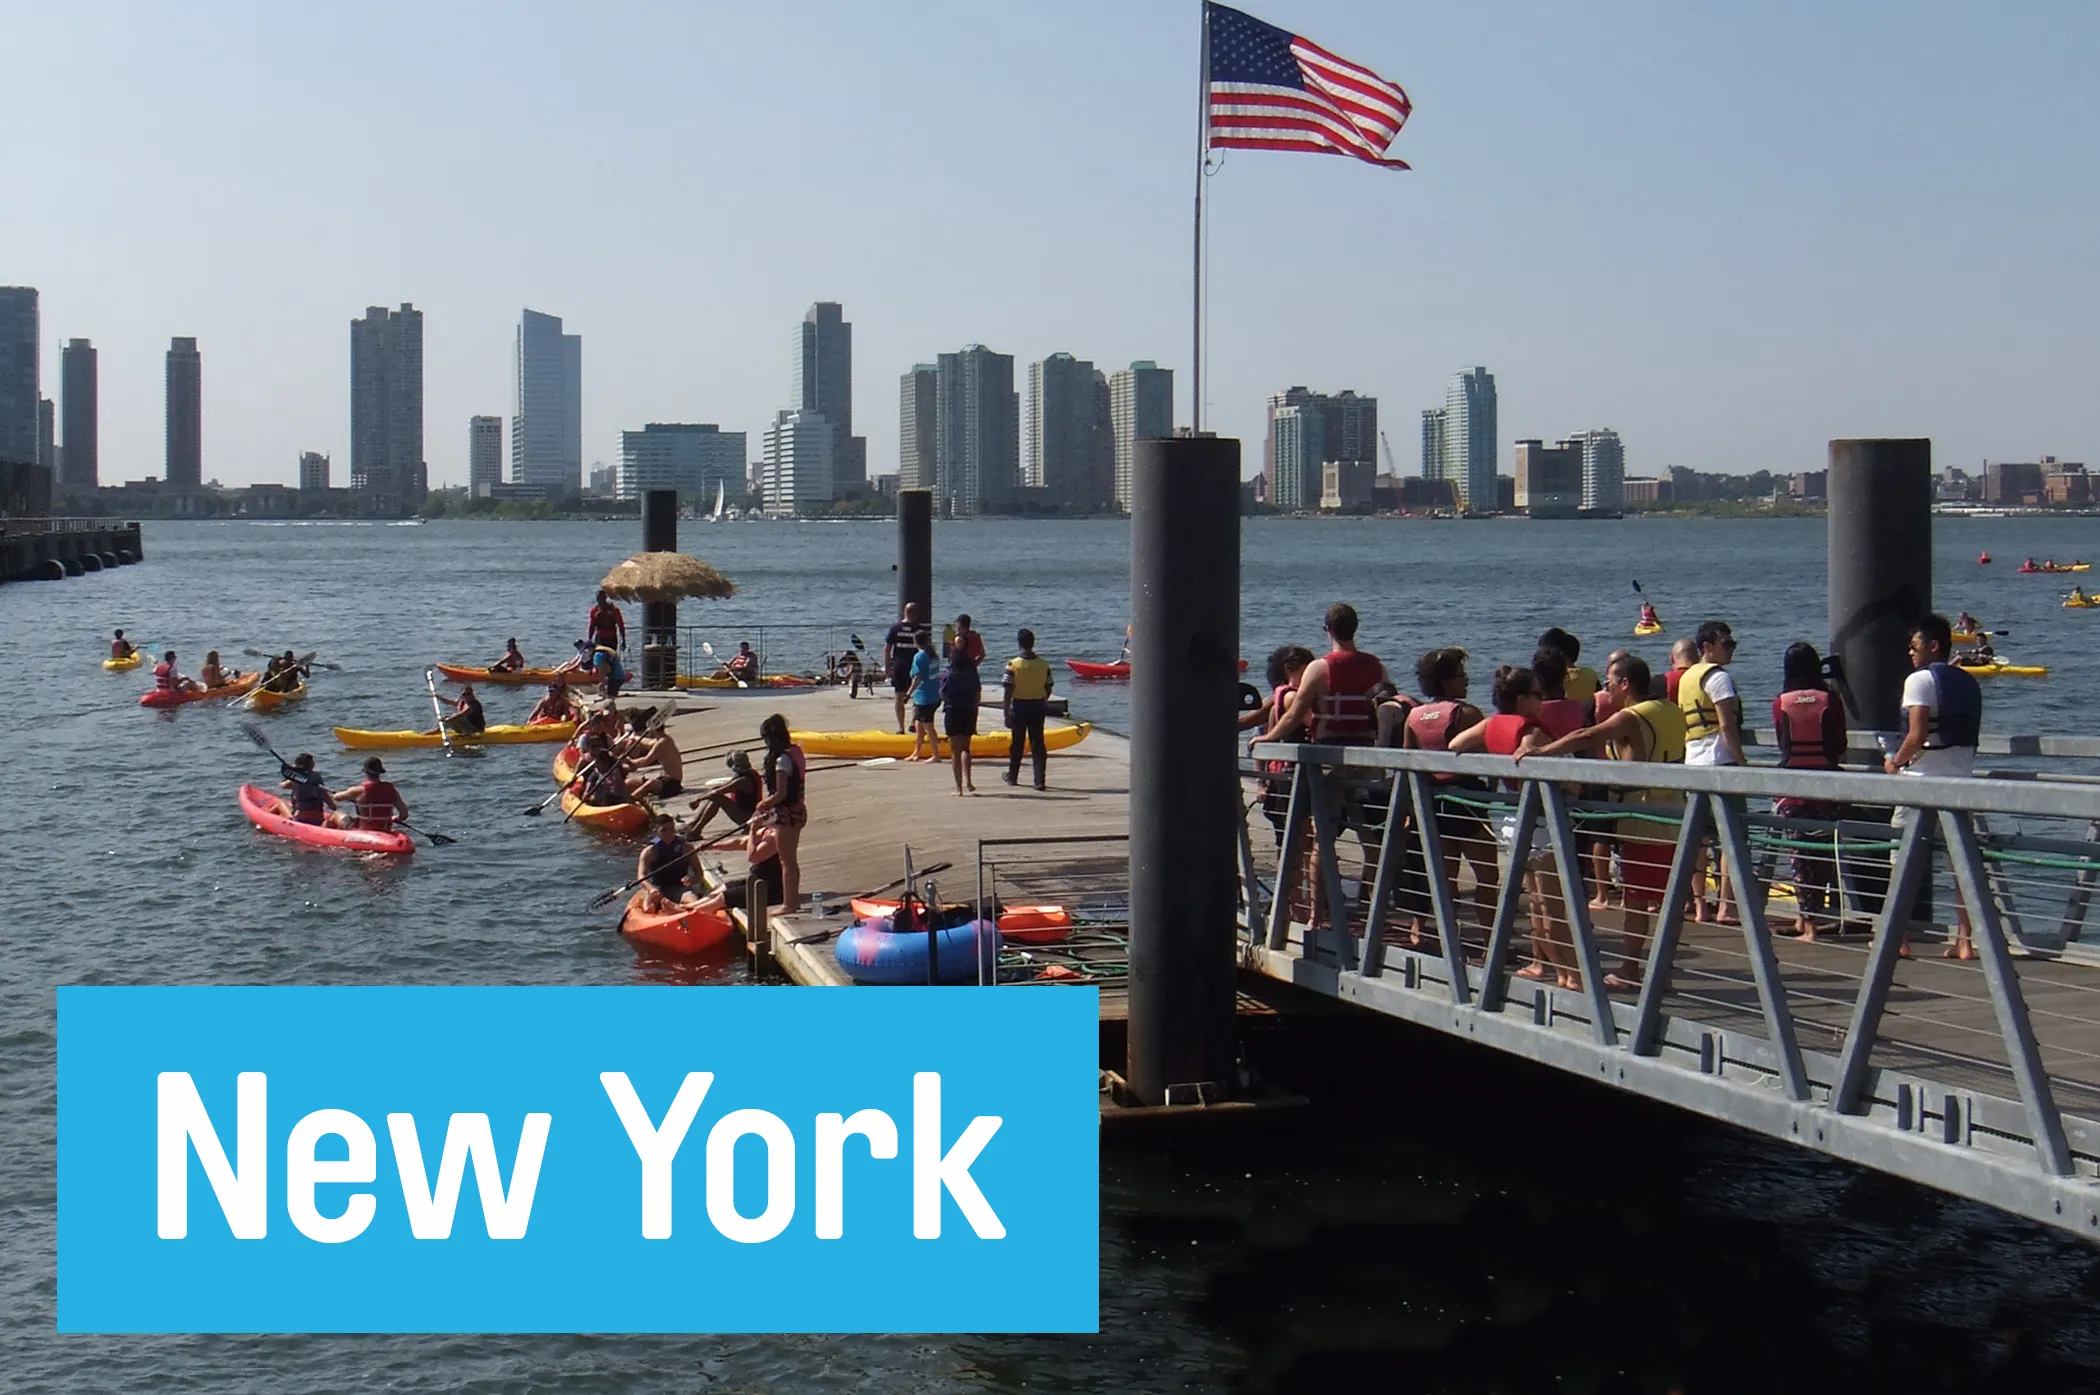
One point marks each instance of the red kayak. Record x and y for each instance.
(1085, 669)
(1026, 925)
(271, 814)
(684, 931)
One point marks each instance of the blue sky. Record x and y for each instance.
(1731, 232)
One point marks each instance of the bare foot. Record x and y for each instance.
(1571, 982)
(1622, 983)
(1958, 951)
(1699, 912)
(1903, 949)
(1533, 970)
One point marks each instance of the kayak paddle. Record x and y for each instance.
(444, 732)
(606, 898)
(437, 840)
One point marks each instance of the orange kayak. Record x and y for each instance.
(158, 698)
(469, 673)
(606, 818)
(1021, 924)
(683, 931)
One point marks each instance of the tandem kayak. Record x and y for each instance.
(130, 661)
(504, 735)
(469, 673)
(265, 700)
(771, 680)
(2054, 568)
(605, 818)
(1085, 669)
(272, 815)
(1026, 925)
(2000, 669)
(683, 931)
(160, 698)
(1644, 629)
(871, 952)
(866, 745)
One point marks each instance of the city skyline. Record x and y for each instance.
(1736, 303)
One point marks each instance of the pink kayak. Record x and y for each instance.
(271, 814)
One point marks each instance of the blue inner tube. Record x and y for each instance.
(871, 952)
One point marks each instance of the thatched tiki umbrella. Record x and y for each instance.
(659, 580)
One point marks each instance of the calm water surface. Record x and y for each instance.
(1429, 1227)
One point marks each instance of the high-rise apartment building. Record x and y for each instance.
(978, 453)
(794, 475)
(1141, 408)
(386, 407)
(1469, 439)
(47, 452)
(1289, 397)
(80, 415)
(1433, 434)
(185, 415)
(21, 383)
(1299, 433)
(692, 459)
(1066, 437)
(313, 470)
(1348, 427)
(824, 383)
(1603, 470)
(484, 455)
(918, 428)
(1548, 481)
(546, 430)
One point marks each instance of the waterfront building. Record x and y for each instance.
(824, 384)
(80, 415)
(978, 451)
(1469, 434)
(1646, 492)
(1433, 433)
(386, 407)
(48, 456)
(313, 470)
(1809, 486)
(1349, 434)
(1347, 484)
(1070, 432)
(546, 425)
(2065, 482)
(21, 383)
(185, 415)
(1603, 470)
(1298, 433)
(919, 432)
(1549, 479)
(2013, 484)
(795, 471)
(1140, 408)
(1297, 396)
(692, 459)
(484, 454)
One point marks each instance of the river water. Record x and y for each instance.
(1427, 1227)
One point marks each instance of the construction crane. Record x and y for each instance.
(1390, 468)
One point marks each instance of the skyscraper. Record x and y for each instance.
(824, 383)
(978, 455)
(185, 461)
(1299, 434)
(1141, 408)
(1603, 470)
(1434, 422)
(795, 471)
(692, 459)
(21, 385)
(919, 432)
(1469, 439)
(546, 433)
(1101, 491)
(313, 470)
(47, 452)
(484, 455)
(386, 407)
(80, 413)
(1348, 434)
(1062, 436)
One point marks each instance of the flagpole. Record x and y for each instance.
(1196, 297)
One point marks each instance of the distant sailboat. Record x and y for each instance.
(720, 495)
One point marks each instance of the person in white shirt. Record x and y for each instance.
(1942, 717)
(1713, 735)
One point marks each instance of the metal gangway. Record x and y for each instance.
(1384, 878)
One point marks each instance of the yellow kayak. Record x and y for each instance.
(775, 680)
(493, 736)
(866, 745)
(1998, 668)
(263, 700)
(2070, 603)
(1644, 629)
(130, 661)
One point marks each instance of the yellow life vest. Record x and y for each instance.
(1701, 717)
(1581, 684)
(1664, 724)
(1029, 678)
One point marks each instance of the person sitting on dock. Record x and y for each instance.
(467, 718)
(557, 706)
(215, 674)
(653, 746)
(743, 665)
(122, 648)
(763, 866)
(737, 797)
(309, 796)
(168, 679)
(375, 800)
(665, 868)
(513, 659)
(845, 668)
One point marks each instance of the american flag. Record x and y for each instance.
(1272, 90)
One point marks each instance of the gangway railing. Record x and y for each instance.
(1978, 1075)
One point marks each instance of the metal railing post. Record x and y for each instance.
(1732, 834)
(1669, 925)
(1502, 934)
(1443, 907)
(1575, 899)
(1890, 928)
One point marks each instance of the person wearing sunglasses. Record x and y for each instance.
(1713, 735)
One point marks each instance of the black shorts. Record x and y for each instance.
(767, 874)
(901, 681)
(923, 712)
(662, 787)
(960, 722)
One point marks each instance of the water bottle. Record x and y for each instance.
(816, 903)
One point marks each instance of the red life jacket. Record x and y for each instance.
(1803, 721)
(164, 676)
(1431, 724)
(1505, 732)
(1670, 681)
(375, 805)
(1559, 716)
(1345, 717)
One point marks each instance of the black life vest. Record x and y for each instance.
(1959, 721)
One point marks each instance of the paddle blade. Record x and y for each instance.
(254, 733)
(605, 898)
(441, 840)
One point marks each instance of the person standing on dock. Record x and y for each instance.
(784, 810)
(1943, 720)
(607, 627)
(1713, 735)
(899, 645)
(961, 693)
(1024, 698)
(925, 699)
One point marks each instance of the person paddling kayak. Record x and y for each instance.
(309, 796)
(377, 803)
(214, 674)
(557, 706)
(665, 868)
(168, 679)
(284, 673)
(122, 648)
(1648, 615)
(743, 665)
(601, 781)
(512, 661)
(467, 718)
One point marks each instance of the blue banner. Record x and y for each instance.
(577, 1160)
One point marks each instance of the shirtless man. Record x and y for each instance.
(655, 748)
